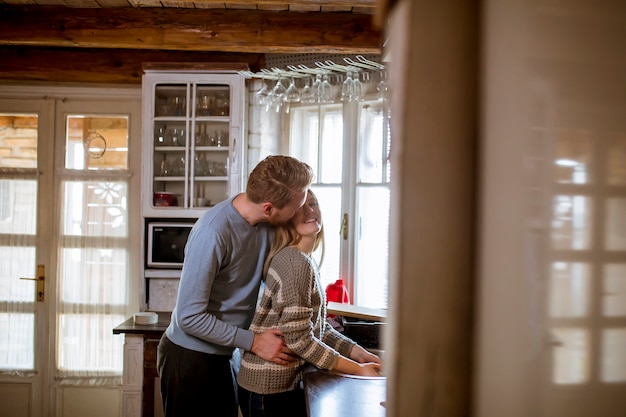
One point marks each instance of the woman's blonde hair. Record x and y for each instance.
(288, 236)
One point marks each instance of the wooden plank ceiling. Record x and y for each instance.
(108, 41)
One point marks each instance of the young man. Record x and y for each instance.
(218, 291)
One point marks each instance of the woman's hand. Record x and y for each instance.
(360, 355)
(370, 369)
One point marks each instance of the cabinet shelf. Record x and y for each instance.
(169, 149)
(197, 148)
(170, 179)
(211, 178)
(170, 118)
(216, 119)
(201, 178)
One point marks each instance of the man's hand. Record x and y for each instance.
(271, 346)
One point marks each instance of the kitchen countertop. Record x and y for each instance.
(332, 395)
(129, 326)
(327, 394)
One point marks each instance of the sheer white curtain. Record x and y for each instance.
(17, 259)
(93, 278)
(93, 251)
(18, 229)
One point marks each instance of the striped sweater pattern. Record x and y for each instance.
(294, 302)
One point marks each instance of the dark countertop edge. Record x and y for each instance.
(359, 396)
(129, 326)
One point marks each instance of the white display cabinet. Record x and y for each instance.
(192, 141)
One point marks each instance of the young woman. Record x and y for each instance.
(294, 303)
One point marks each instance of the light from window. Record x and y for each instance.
(571, 222)
(614, 290)
(614, 355)
(570, 356)
(569, 289)
(348, 148)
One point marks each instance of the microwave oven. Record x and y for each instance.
(166, 244)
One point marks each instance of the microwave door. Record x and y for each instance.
(167, 245)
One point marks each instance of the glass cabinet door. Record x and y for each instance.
(210, 146)
(192, 125)
(171, 131)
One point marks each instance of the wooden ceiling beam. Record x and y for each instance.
(219, 30)
(104, 66)
(365, 4)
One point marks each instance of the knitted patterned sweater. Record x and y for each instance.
(293, 302)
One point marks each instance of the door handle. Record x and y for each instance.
(344, 226)
(41, 276)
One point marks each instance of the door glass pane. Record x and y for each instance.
(18, 201)
(88, 346)
(106, 269)
(17, 341)
(96, 142)
(17, 262)
(18, 140)
(95, 208)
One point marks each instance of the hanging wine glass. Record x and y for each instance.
(358, 88)
(261, 95)
(292, 95)
(382, 87)
(307, 95)
(325, 90)
(278, 95)
(347, 88)
(317, 85)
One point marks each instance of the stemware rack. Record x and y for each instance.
(329, 67)
(316, 83)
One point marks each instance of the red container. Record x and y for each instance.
(164, 199)
(337, 292)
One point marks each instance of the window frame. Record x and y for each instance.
(350, 185)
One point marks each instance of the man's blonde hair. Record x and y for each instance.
(278, 179)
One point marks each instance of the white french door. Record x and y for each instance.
(65, 221)
(26, 193)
